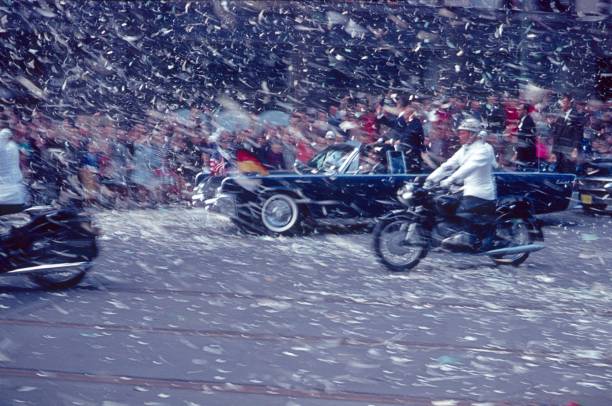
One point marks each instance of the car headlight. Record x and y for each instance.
(608, 185)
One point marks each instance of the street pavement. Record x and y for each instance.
(181, 309)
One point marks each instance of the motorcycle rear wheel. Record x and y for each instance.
(67, 246)
(393, 247)
(60, 280)
(515, 232)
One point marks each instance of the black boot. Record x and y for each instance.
(461, 242)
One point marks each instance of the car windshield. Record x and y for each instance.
(331, 158)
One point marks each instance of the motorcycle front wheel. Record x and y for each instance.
(399, 244)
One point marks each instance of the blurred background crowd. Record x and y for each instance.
(154, 159)
(125, 102)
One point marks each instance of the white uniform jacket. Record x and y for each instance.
(473, 164)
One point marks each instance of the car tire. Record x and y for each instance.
(281, 215)
(594, 208)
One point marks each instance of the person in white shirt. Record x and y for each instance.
(473, 166)
(12, 190)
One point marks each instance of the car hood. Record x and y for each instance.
(598, 178)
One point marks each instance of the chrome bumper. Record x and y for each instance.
(595, 191)
(589, 197)
(223, 204)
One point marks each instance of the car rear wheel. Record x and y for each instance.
(594, 208)
(280, 214)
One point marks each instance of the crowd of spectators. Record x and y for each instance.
(154, 159)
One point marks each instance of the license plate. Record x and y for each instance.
(586, 199)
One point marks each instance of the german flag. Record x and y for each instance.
(248, 163)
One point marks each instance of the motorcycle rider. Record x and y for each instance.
(472, 164)
(12, 190)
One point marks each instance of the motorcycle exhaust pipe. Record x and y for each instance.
(45, 268)
(521, 249)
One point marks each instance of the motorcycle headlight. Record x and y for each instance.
(404, 194)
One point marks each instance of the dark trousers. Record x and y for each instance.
(477, 215)
(11, 208)
(413, 162)
(412, 157)
(564, 164)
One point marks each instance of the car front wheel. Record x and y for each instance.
(280, 214)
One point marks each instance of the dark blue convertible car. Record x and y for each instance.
(335, 187)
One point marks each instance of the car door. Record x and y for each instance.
(370, 194)
(323, 193)
(321, 185)
(548, 192)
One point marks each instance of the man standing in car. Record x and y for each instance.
(494, 116)
(525, 155)
(567, 133)
(409, 132)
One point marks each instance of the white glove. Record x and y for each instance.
(446, 183)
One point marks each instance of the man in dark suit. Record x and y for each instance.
(494, 116)
(567, 132)
(526, 156)
(409, 132)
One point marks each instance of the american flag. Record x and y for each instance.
(217, 165)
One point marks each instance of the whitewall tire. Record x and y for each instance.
(280, 214)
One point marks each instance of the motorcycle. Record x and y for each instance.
(55, 248)
(405, 236)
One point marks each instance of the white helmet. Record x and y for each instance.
(470, 124)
